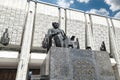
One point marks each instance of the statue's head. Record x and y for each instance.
(55, 25)
(6, 30)
(103, 43)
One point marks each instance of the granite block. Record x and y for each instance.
(75, 64)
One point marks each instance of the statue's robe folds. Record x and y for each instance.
(58, 36)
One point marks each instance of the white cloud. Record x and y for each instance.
(65, 3)
(101, 11)
(71, 2)
(117, 15)
(83, 1)
(114, 4)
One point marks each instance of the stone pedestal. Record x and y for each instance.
(74, 64)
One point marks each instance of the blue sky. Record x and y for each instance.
(102, 7)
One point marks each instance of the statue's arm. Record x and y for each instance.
(51, 34)
(64, 35)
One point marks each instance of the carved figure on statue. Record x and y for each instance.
(5, 38)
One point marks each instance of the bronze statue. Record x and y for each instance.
(58, 37)
(55, 34)
(5, 38)
(77, 43)
(103, 47)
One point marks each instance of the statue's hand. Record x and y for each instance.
(54, 34)
(57, 33)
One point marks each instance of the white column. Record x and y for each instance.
(62, 18)
(26, 44)
(114, 48)
(89, 35)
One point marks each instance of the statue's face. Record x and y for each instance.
(55, 25)
(6, 30)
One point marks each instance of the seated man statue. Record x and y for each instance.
(55, 34)
(58, 37)
(5, 38)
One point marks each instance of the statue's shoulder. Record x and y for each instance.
(62, 31)
(50, 30)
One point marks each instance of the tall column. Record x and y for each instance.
(114, 49)
(88, 29)
(26, 44)
(62, 18)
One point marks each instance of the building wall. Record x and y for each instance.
(13, 17)
(116, 24)
(100, 30)
(76, 26)
(45, 15)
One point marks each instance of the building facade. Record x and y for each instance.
(27, 23)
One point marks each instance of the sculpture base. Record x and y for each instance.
(75, 64)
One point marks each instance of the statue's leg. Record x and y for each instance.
(66, 41)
